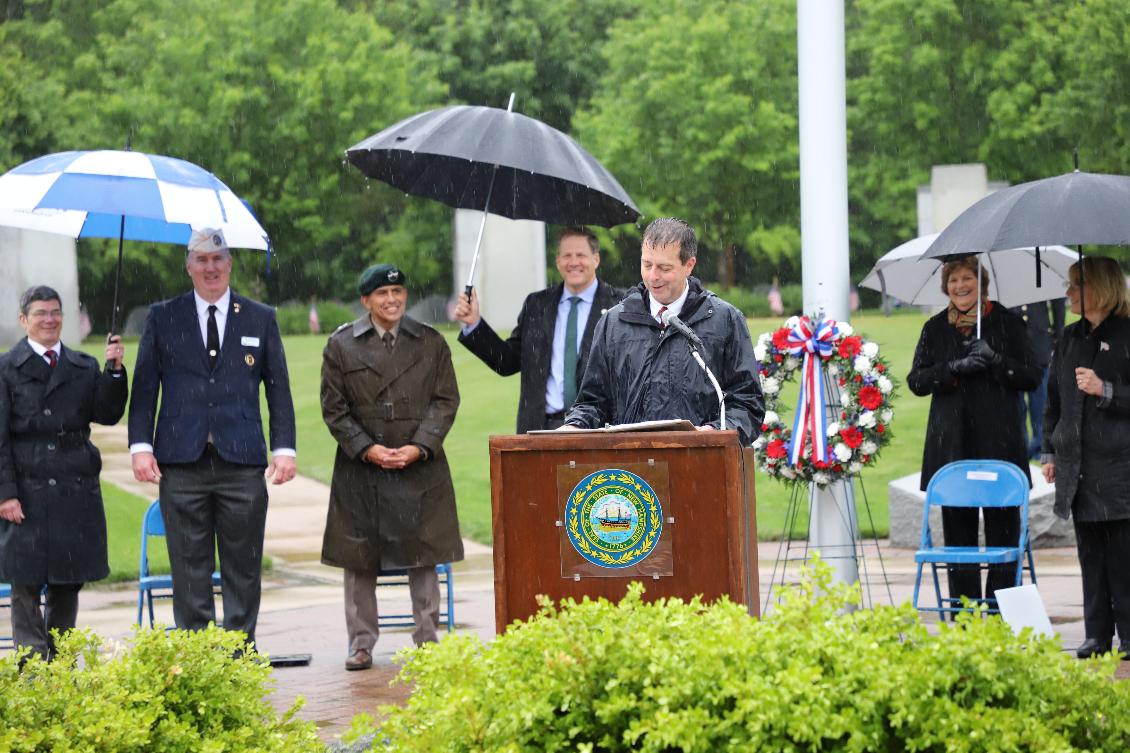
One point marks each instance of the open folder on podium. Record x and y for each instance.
(667, 424)
(585, 513)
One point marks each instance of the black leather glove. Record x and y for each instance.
(984, 351)
(967, 366)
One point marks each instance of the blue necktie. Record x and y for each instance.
(571, 353)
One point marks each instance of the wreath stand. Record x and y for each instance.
(792, 549)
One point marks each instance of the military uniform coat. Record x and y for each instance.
(48, 462)
(389, 518)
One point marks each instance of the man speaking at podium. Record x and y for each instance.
(641, 367)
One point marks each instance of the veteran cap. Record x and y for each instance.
(207, 239)
(377, 276)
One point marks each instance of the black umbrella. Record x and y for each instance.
(495, 161)
(1072, 209)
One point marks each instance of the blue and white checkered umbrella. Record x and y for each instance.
(87, 195)
(124, 195)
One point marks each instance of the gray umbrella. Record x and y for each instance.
(1072, 209)
(496, 161)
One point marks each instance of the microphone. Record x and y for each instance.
(673, 321)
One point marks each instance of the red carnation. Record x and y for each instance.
(880, 368)
(775, 449)
(850, 346)
(852, 437)
(859, 377)
(880, 428)
(778, 358)
(781, 338)
(870, 397)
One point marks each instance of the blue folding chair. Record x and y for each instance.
(981, 484)
(6, 603)
(400, 578)
(150, 587)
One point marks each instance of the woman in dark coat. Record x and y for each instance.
(974, 410)
(1087, 447)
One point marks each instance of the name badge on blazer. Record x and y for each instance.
(252, 341)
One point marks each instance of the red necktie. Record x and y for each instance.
(52, 358)
(659, 316)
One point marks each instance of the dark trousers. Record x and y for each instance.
(32, 625)
(959, 527)
(208, 505)
(1104, 559)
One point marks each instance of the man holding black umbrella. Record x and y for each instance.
(550, 344)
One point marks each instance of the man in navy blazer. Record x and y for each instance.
(207, 352)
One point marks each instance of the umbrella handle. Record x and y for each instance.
(467, 291)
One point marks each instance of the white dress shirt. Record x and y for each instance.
(673, 309)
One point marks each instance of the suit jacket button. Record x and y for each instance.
(51, 446)
(50, 482)
(212, 381)
(47, 411)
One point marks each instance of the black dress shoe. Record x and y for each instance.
(1091, 647)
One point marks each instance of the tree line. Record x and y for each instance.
(692, 104)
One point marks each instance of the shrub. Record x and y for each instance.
(167, 691)
(674, 676)
(755, 302)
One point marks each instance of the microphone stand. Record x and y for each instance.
(717, 387)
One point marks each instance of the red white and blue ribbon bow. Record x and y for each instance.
(816, 343)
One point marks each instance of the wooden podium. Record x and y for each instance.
(702, 481)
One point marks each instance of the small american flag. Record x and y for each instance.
(315, 324)
(775, 303)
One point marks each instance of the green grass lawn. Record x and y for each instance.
(123, 526)
(489, 403)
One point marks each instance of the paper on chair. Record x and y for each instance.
(667, 424)
(1022, 607)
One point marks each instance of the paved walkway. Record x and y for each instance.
(302, 602)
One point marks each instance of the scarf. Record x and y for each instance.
(966, 321)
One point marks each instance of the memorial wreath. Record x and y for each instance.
(813, 449)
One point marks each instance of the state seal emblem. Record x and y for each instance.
(613, 518)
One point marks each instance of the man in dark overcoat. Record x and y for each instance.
(52, 526)
(389, 398)
(550, 344)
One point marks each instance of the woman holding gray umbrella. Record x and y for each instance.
(973, 384)
(1087, 443)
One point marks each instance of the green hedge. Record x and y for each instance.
(673, 676)
(166, 691)
(755, 303)
(294, 317)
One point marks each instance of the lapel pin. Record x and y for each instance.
(249, 359)
(235, 307)
(1104, 346)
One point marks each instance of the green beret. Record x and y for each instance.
(377, 276)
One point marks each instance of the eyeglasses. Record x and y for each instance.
(52, 314)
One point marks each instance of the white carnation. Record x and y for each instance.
(885, 385)
(885, 415)
(759, 443)
(791, 363)
(862, 364)
(842, 452)
(833, 370)
(869, 349)
(868, 447)
(845, 329)
(867, 419)
(770, 385)
(833, 429)
(760, 351)
(855, 467)
(787, 471)
(845, 399)
(764, 339)
(771, 418)
(821, 478)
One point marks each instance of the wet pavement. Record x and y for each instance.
(302, 600)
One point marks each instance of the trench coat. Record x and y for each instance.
(382, 519)
(1088, 437)
(48, 462)
(975, 416)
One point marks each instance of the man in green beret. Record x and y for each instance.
(389, 398)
